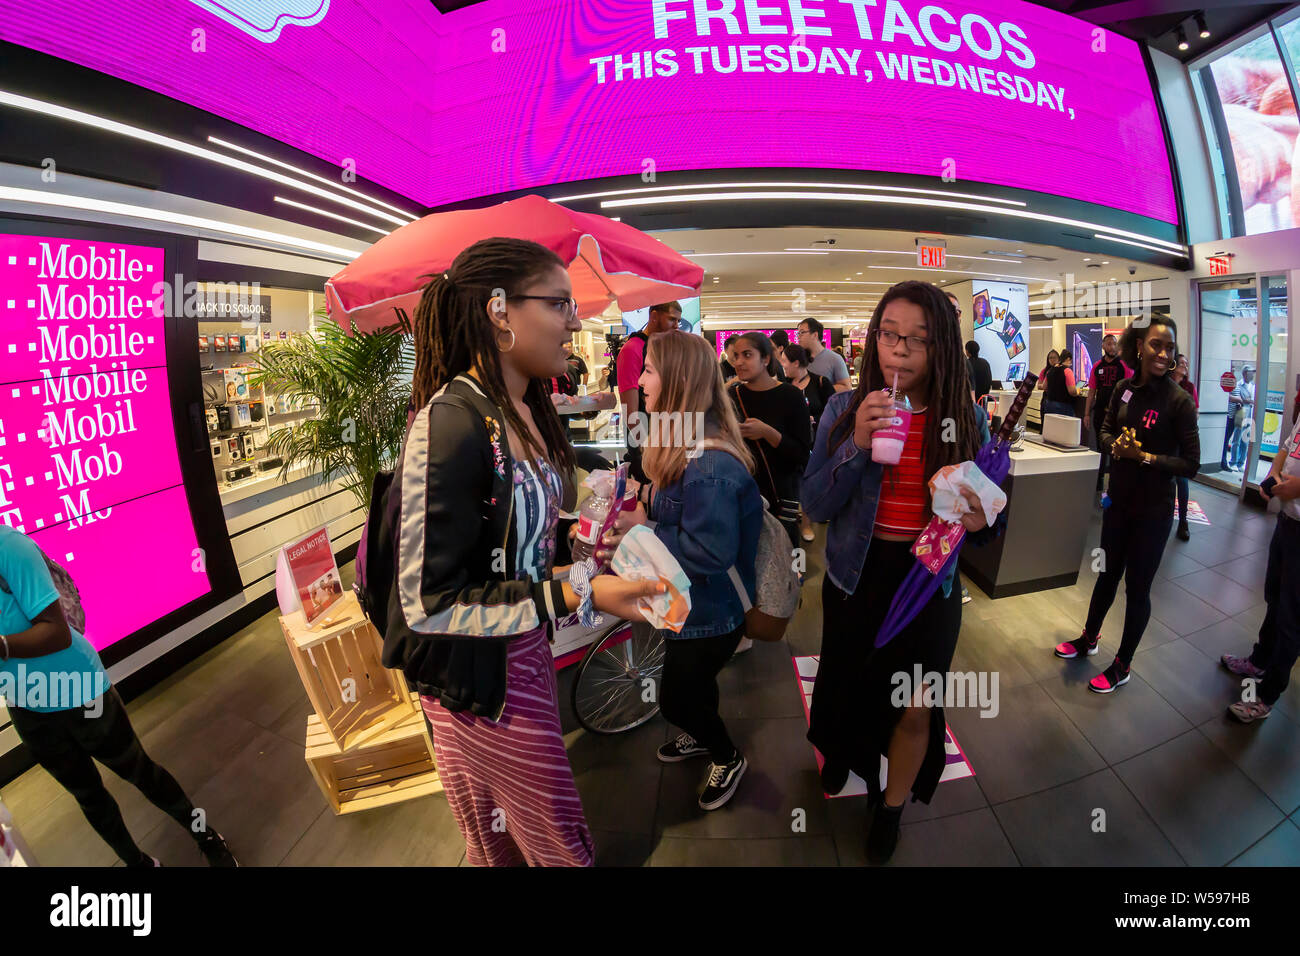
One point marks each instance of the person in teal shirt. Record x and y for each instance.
(66, 711)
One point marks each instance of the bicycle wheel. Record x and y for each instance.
(618, 681)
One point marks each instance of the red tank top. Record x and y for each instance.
(904, 506)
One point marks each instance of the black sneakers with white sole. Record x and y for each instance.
(722, 782)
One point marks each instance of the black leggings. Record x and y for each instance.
(1278, 646)
(64, 741)
(1132, 547)
(689, 696)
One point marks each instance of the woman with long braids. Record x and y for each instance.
(876, 513)
(483, 473)
(1152, 435)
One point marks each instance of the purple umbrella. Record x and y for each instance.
(994, 459)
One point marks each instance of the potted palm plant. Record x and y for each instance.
(362, 384)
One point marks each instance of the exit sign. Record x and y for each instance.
(930, 253)
(1221, 265)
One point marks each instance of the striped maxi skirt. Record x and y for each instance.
(508, 782)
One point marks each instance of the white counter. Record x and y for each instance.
(1035, 459)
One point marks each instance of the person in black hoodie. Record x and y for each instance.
(474, 502)
(1151, 432)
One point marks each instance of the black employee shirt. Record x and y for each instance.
(1164, 418)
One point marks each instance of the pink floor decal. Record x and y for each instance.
(805, 669)
(1195, 514)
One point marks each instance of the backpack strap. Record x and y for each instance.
(739, 585)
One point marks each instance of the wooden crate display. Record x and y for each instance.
(344, 647)
(394, 766)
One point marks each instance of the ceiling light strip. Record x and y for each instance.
(784, 185)
(302, 172)
(972, 272)
(40, 197)
(322, 212)
(1173, 248)
(912, 253)
(180, 146)
(1099, 235)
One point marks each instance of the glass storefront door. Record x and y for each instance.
(1272, 391)
(1229, 319)
(1241, 410)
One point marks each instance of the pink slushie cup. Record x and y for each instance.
(887, 443)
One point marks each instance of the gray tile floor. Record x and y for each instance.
(1154, 774)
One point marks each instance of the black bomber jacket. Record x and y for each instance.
(455, 602)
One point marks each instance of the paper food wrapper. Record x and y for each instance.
(946, 487)
(945, 532)
(643, 557)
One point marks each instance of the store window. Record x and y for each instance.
(1249, 110)
(234, 325)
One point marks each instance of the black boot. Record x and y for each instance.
(1184, 532)
(834, 777)
(883, 836)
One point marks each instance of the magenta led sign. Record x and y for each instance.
(508, 95)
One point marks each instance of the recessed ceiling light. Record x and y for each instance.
(1086, 259)
(1105, 262)
(859, 273)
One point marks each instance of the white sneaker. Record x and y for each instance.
(745, 644)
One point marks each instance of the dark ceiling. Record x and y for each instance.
(1151, 20)
(1156, 20)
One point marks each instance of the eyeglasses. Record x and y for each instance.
(889, 339)
(569, 306)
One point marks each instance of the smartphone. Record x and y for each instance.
(981, 309)
(1267, 484)
(1010, 328)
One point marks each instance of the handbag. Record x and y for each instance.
(786, 510)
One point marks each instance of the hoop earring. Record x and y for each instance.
(512, 342)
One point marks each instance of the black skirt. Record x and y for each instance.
(852, 717)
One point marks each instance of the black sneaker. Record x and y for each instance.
(722, 782)
(1184, 532)
(883, 835)
(682, 747)
(214, 848)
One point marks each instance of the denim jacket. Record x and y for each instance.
(709, 519)
(843, 488)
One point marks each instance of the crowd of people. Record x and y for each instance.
(485, 462)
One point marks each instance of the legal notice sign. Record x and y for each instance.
(88, 462)
(513, 94)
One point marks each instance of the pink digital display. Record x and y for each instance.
(506, 94)
(720, 338)
(88, 463)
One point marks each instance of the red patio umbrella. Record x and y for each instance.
(608, 261)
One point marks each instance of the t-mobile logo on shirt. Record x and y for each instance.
(1107, 374)
(1150, 418)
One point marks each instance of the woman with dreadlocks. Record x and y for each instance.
(483, 473)
(876, 513)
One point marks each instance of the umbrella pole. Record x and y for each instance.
(598, 274)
